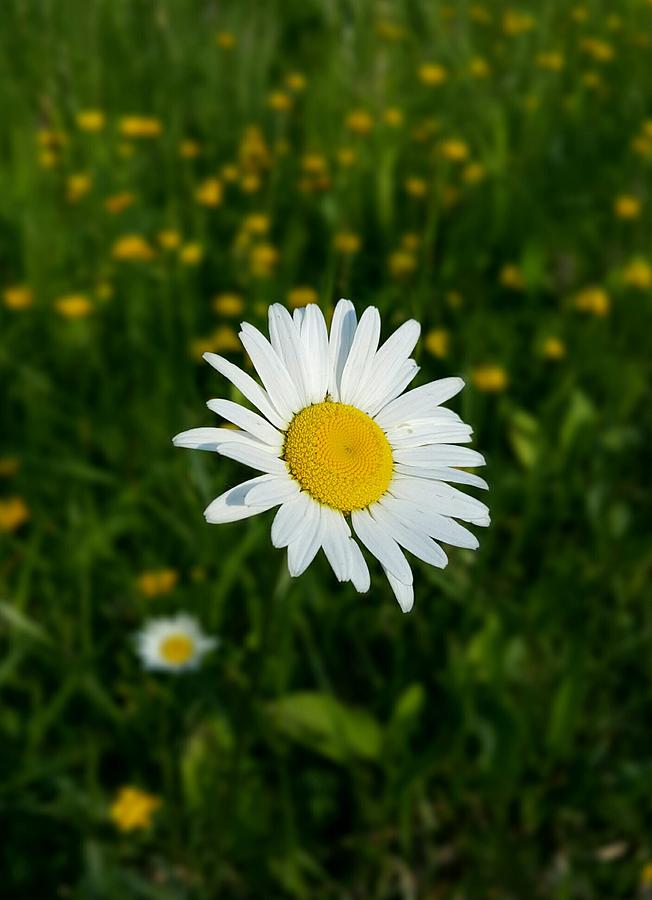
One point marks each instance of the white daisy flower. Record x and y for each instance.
(174, 644)
(342, 447)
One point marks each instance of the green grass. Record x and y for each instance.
(495, 742)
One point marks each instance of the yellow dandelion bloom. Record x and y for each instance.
(511, 277)
(410, 241)
(416, 187)
(516, 22)
(189, 149)
(117, 203)
(250, 183)
(256, 223)
(296, 82)
(553, 348)
(47, 159)
(140, 127)
(479, 67)
(132, 248)
(579, 14)
(229, 173)
(479, 13)
(346, 157)
(491, 379)
(393, 116)
(302, 296)
(597, 49)
(155, 582)
(552, 61)
(642, 145)
(225, 340)
(225, 40)
(191, 254)
(401, 263)
(17, 296)
(646, 875)
(47, 137)
(254, 152)
(169, 239)
(228, 304)
(359, 121)
(432, 74)
(474, 173)
(390, 31)
(279, 101)
(454, 150)
(346, 242)
(627, 206)
(437, 342)
(133, 809)
(77, 186)
(263, 260)
(638, 274)
(199, 346)
(73, 306)
(209, 192)
(594, 300)
(14, 512)
(90, 120)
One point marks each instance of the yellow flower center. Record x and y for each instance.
(177, 649)
(339, 455)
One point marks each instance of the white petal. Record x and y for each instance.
(341, 337)
(438, 526)
(443, 473)
(419, 402)
(391, 388)
(213, 438)
(363, 348)
(297, 316)
(418, 432)
(388, 362)
(314, 340)
(307, 542)
(336, 541)
(249, 388)
(285, 338)
(274, 492)
(359, 570)
(447, 500)
(381, 545)
(404, 593)
(250, 421)
(230, 506)
(439, 455)
(271, 370)
(413, 539)
(256, 457)
(289, 520)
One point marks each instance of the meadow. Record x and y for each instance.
(168, 169)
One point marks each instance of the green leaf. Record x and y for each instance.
(523, 433)
(322, 723)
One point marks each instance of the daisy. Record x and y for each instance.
(343, 449)
(175, 644)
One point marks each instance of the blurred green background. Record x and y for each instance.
(170, 167)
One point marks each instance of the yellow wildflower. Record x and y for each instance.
(401, 263)
(296, 82)
(627, 206)
(250, 183)
(279, 101)
(256, 223)
(393, 117)
(263, 260)
(479, 67)
(346, 157)
(454, 150)
(638, 274)
(594, 300)
(117, 203)
(77, 186)
(359, 122)
(553, 348)
(132, 809)
(551, 60)
(132, 248)
(254, 152)
(302, 296)
(189, 149)
(228, 304)
(73, 306)
(90, 120)
(155, 582)
(390, 31)
(516, 22)
(432, 74)
(191, 254)
(17, 296)
(490, 378)
(416, 187)
(646, 875)
(474, 173)
(225, 40)
(346, 242)
(13, 513)
(511, 277)
(410, 241)
(599, 50)
(225, 340)
(140, 127)
(209, 192)
(169, 239)
(437, 342)
(229, 173)
(479, 13)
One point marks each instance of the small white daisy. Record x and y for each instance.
(342, 446)
(174, 644)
